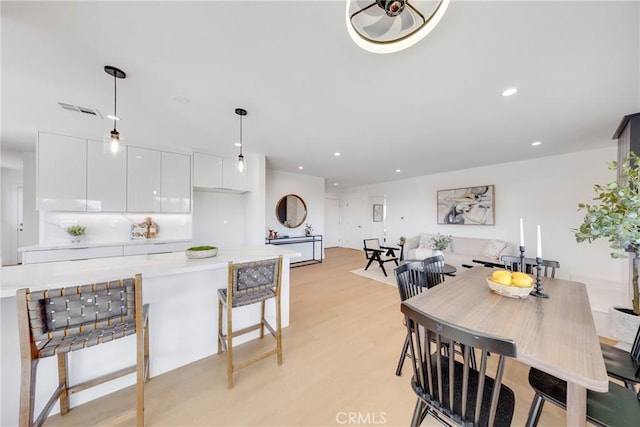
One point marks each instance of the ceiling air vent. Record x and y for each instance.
(84, 110)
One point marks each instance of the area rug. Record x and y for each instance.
(376, 274)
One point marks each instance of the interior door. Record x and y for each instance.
(331, 223)
(352, 223)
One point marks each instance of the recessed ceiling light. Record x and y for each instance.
(336, 154)
(510, 91)
(536, 143)
(335, 184)
(181, 100)
(398, 171)
(237, 144)
(300, 167)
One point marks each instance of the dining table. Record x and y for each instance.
(556, 335)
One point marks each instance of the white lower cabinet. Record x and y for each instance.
(155, 248)
(89, 252)
(71, 254)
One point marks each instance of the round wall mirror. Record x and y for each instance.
(291, 211)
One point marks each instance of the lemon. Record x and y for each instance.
(521, 282)
(504, 279)
(520, 274)
(500, 273)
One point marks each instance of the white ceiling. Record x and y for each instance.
(310, 91)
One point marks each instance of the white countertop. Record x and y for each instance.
(68, 273)
(90, 244)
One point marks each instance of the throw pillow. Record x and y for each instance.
(424, 241)
(494, 248)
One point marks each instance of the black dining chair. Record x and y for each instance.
(433, 268)
(450, 390)
(617, 407)
(512, 263)
(411, 282)
(624, 365)
(412, 278)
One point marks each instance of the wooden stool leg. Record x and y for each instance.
(146, 351)
(27, 391)
(219, 326)
(62, 381)
(229, 347)
(140, 368)
(279, 329)
(262, 319)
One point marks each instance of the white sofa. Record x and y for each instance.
(462, 250)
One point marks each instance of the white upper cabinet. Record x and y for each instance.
(207, 170)
(106, 179)
(62, 173)
(143, 179)
(176, 183)
(216, 172)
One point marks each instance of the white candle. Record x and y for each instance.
(539, 248)
(521, 233)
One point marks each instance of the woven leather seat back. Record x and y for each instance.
(76, 309)
(255, 276)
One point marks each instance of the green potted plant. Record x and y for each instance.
(439, 243)
(76, 232)
(616, 217)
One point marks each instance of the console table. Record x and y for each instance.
(292, 240)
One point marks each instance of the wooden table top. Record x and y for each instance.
(556, 335)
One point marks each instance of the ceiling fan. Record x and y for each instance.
(384, 26)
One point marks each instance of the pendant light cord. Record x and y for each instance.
(115, 101)
(241, 135)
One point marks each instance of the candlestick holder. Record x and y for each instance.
(537, 292)
(522, 258)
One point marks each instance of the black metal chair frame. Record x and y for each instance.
(512, 263)
(475, 398)
(624, 365)
(375, 254)
(412, 278)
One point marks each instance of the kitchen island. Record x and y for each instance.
(181, 292)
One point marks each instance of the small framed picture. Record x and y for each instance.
(377, 213)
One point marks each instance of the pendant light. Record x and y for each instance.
(241, 112)
(112, 142)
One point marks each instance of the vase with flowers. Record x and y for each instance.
(439, 243)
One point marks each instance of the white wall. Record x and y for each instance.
(310, 189)
(543, 191)
(11, 180)
(31, 232)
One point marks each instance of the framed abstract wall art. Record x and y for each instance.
(467, 206)
(377, 213)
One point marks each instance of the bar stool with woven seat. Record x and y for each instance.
(250, 283)
(55, 322)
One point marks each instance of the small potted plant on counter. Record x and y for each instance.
(76, 232)
(205, 251)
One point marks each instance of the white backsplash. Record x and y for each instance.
(111, 227)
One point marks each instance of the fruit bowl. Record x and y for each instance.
(507, 290)
(198, 252)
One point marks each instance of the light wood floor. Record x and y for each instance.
(340, 355)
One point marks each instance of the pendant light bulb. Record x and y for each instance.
(241, 112)
(240, 163)
(113, 144)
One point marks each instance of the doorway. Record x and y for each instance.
(331, 223)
